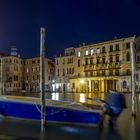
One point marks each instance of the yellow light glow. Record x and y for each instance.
(82, 81)
(82, 98)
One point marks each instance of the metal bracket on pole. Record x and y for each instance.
(42, 77)
(132, 47)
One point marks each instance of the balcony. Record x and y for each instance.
(114, 64)
(107, 75)
(103, 52)
(102, 66)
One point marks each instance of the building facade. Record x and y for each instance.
(98, 67)
(32, 74)
(11, 73)
(17, 74)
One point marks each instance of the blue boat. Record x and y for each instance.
(56, 111)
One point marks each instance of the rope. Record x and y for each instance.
(62, 108)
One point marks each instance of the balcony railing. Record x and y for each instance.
(103, 65)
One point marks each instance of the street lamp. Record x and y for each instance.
(82, 81)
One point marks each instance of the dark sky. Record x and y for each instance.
(68, 23)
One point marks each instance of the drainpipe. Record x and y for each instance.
(132, 47)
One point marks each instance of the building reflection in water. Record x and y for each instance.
(76, 97)
(82, 98)
(55, 96)
(133, 134)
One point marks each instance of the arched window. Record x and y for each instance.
(124, 84)
(128, 56)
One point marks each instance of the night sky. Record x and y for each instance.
(68, 23)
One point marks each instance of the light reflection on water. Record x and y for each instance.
(55, 96)
(76, 97)
(82, 98)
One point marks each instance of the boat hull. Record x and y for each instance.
(31, 111)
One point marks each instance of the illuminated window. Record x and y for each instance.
(98, 51)
(33, 69)
(79, 54)
(91, 52)
(86, 52)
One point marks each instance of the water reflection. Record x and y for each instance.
(76, 97)
(126, 128)
(133, 135)
(55, 96)
(82, 98)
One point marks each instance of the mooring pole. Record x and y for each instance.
(132, 47)
(42, 77)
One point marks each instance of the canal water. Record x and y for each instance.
(73, 97)
(127, 127)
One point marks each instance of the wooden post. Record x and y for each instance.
(42, 76)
